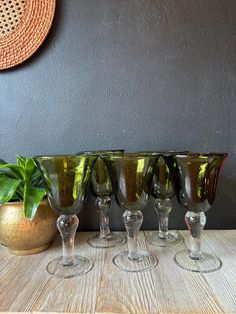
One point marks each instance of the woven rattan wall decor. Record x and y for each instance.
(24, 24)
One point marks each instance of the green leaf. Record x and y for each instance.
(21, 161)
(2, 162)
(22, 182)
(12, 171)
(19, 192)
(16, 198)
(8, 188)
(32, 199)
(30, 170)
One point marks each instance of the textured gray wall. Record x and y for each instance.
(133, 74)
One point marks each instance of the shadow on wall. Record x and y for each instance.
(218, 217)
(221, 216)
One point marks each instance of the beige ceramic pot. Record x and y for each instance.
(23, 236)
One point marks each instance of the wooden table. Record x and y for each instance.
(25, 285)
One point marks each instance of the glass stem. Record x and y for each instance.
(163, 207)
(195, 222)
(133, 221)
(67, 226)
(103, 204)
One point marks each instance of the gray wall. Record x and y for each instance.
(133, 74)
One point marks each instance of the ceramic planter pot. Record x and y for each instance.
(23, 236)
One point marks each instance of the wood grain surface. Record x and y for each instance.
(25, 285)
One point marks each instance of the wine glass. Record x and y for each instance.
(102, 190)
(131, 177)
(66, 180)
(198, 175)
(163, 191)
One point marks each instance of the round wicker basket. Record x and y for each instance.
(24, 24)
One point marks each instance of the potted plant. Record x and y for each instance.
(27, 222)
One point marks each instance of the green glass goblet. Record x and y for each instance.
(198, 175)
(102, 190)
(66, 180)
(131, 176)
(163, 190)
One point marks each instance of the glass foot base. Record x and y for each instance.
(145, 261)
(113, 240)
(174, 238)
(82, 265)
(207, 264)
